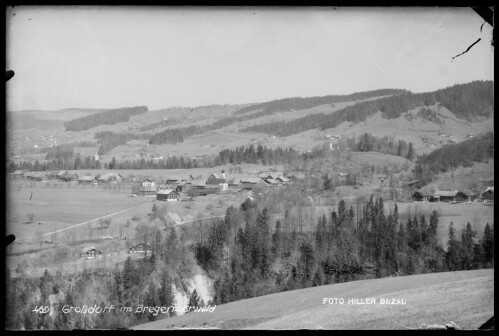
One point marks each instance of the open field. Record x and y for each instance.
(465, 177)
(58, 208)
(466, 298)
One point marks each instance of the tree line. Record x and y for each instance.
(466, 101)
(298, 103)
(477, 149)
(109, 117)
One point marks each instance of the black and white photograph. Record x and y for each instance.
(257, 168)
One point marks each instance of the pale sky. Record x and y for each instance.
(110, 57)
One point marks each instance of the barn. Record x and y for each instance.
(167, 195)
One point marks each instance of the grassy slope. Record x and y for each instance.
(465, 298)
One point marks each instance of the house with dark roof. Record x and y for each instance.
(488, 194)
(141, 248)
(168, 195)
(420, 196)
(90, 253)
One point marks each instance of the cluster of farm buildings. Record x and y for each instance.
(215, 183)
(454, 196)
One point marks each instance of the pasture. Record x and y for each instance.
(57, 208)
(465, 297)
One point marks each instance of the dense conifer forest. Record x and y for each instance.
(109, 117)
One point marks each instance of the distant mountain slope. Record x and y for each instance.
(109, 117)
(465, 298)
(476, 149)
(27, 121)
(467, 101)
(298, 103)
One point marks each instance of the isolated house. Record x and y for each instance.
(91, 253)
(488, 194)
(141, 248)
(167, 195)
(420, 196)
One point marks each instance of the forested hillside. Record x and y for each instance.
(109, 117)
(466, 101)
(298, 103)
(454, 155)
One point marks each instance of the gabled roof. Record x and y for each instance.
(166, 191)
(271, 181)
(147, 246)
(149, 179)
(282, 178)
(86, 178)
(87, 249)
(469, 192)
(424, 194)
(444, 193)
(489, 189)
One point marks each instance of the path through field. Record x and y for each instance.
(80, 224)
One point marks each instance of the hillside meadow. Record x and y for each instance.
(465, 297)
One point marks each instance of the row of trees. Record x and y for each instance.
(466, 101)
(387, 145)
(109, 117)
(477, 149)
(260, 154)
